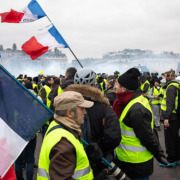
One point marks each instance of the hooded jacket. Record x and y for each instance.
(139, 118)
(105, 127)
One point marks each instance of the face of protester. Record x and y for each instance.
(51, 81)
(166, 78)
(156, 84)
(77, 116)
(118, 87)
(23, 83)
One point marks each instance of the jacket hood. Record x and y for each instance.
(88, 91)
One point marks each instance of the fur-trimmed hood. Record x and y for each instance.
(88, 91)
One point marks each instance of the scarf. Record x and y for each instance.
(123, 98)
(68, 122)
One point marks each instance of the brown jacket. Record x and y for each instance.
(63, 158)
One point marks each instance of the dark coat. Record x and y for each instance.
(110, 94)
(139, 118)
(170, 102)
(105, 127)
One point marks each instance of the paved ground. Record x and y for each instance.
(159, 172)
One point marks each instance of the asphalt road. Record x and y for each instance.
(160, 173)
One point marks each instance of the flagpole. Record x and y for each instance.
(69, 47)
(75, 57)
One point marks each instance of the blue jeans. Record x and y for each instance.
(147, 178)
(29, 157)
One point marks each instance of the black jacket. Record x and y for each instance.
(139, 118)
(105, 127)
(170, 102)
(110, 94)
(55, 93)
(43, 93)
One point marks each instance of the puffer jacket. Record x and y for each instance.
(139, 118)
(105, 127)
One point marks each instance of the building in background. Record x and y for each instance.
(13, 59)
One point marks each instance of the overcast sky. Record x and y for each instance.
(94, 27)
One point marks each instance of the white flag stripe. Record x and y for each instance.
(46, 39)
(11, 146)
(28, 16)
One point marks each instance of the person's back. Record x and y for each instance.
(70, 72)
(109, 135)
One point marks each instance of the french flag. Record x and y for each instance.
(30, 13)
(21, 116)
(41, 43)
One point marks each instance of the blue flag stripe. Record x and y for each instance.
(19, 108)
(55, 33)
(26, 89)
(36, 9)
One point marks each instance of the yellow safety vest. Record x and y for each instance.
(48, 90)
(82, 170)
(19, 79)
(163, 103)
(34, 86)
(118, 75)
(101, 84)
(130, 149)
(157, 93)
(142, 87)
(60, 90)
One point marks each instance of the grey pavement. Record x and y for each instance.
(160, 173)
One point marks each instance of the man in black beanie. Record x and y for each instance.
(139, 142)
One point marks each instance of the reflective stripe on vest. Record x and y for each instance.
(82, 170)
(102, 89)
(130, 148)
(163, 103)
(142, 87)
(157, 93)
(77, 174)
(60, 90)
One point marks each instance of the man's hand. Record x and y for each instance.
(94, 153)
(166, 123)
(156, 97)
(159, 158)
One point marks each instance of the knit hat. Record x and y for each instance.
(129, 79)
(157, 80)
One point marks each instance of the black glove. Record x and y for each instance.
(102, 175)
(94, 153)
(159, 158)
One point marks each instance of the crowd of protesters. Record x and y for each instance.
(117, 115)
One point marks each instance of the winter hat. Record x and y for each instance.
(129, 79)
(157, 80)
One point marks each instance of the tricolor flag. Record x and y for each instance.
(41, 43)
(21, 116)
(30, 13)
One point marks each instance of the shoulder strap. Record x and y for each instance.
(56, 127)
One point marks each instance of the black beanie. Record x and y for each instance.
(129, 79)
(157, 80)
